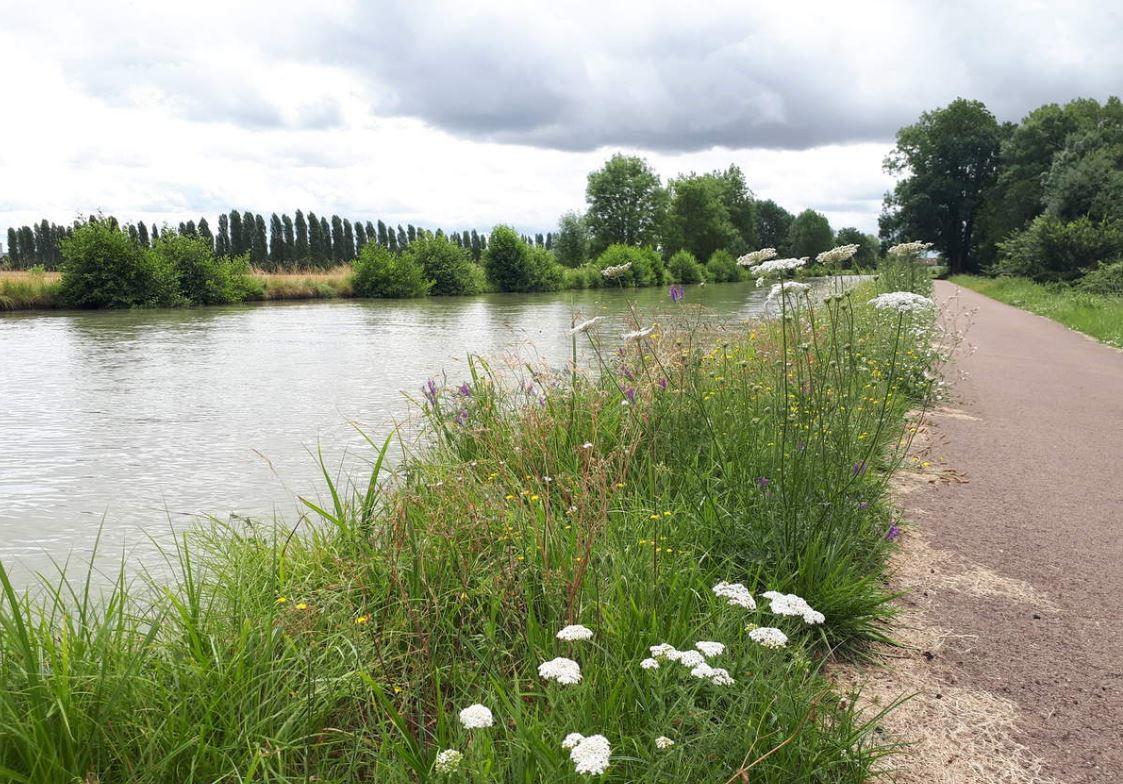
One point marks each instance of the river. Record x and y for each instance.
(139, 422)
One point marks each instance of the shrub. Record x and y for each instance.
(722, 267)
(449, 266)
(202, 278)
(646, 270)
(103, 267)
(1104, 279)
(1051, 249)
(379, 273)
(684, 268)
(512, 265)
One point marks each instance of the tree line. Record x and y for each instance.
(1041, 198)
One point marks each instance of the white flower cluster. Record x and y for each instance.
(663, 742)
(902, 302)
(639, 333)
(616, 271)
(790, 604)
(737, 595)
(769, 637)
(584, 325)
(695, 661)
(476, 717)
(649, 664)
(756, 257)
(710, 648)
(590, 754)
(778, 265)
(447, 761)
(575, 632)
(718, 676)
(565, 671)
(909, 248)
(786, 287)
(841, 253)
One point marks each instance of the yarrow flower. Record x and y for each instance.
(649, 664)
(572, 739)
(902, 302)
(447, 761)
(769, 637)
(756, 257)
(787, 286)
(718, 676)
(639, 333)
(589, 755)
(663, 742)
(909, 248)
(710, 648)
(841, 253)
(616, 271)
(476, 717)
(565, 671)
(575, 632)
(662, 650)
(736, 594)
(776, 266)
(790, 604)
(687, 658)
(584, 325)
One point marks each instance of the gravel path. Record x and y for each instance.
(1037, 432)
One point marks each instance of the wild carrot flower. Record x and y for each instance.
(639, 333)
(769, 637)
(841, 253)
(663, 742)
(565, 671)
(710, 648)
(591, 755)
(584, 325)
(756, 257)
(902, 302)
(677, 292)
(575, 632)
(787, 287)
(616, 271)
(649, 664)
(909, 248)
(776, 266)
(736, 594)
(476, 717)
(587, 445)
(447, 761)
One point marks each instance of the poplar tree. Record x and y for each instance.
(276, 241)
(403, 239)
(260, 249)
(205, 233)
(348, 241)
(360, 236)
(302, 249)
(13, 246)
(328, 252)
(383, 238)
(315, 242)
(248, 225)
(222, 241)
(290, 247)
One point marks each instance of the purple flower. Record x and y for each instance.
(859, 468)
(429, 390)
(677, 292)
(465, 390)
(662, 383)
(863, 506)
(893, 532)
(462, 417)
(627, 373)
(630, 394)
(763, 481)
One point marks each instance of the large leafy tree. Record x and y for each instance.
(773, 225)
(946, 161)
(698, 220)
(868, 246)
(626, 203)
(571, 243)
(810, 234)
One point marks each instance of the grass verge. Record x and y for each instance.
(1093, 314)
(342, 647)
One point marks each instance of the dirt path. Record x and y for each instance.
(1016, 556)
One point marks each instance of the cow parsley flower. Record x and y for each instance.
(447, 761)
(639, 333)
(841, 253)
(565, 671)
(769, 637)
(476, 717)
(909, 248)
(902, 302)
(787, 286)
(662, 650)
(572, 739)
(756, 257)
(590, 756)
(575, 632)
(790, 604)
(616, 271)
(584, 325)
(710, 648)
(663, 742)
(777, 266)
(736, 594)
(650, 664)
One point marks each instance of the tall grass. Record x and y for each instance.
(342, 647)
(29, 289)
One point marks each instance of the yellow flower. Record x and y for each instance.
(667, 514)
(534, 497)
(302, 606)
(510, 497)
(654, 517)
(281, 600)
(361, 620)
(619, 485)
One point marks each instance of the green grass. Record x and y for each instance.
(341, 646)
(1093, 314)
(29, 290)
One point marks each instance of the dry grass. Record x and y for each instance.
(29, 290)
(309, 284)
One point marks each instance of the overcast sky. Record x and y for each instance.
(465, 114)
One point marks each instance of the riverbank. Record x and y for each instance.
(697, 456)
(1093, 314)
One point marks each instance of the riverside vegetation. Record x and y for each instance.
(635, 572)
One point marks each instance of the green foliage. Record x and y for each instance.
(810, 234)
(1051, 249)
(1086, 178)
(379, 273)
(698, 220)
(868, 247)
(774, 224)
(105, 268)
(646, 270)
(626, 203)
(512, 265)
(571, 243)
(203, 279)
(723, 268)
(1106, 279)
(449, 266)
(683, 267)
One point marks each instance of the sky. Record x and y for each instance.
(469, 113)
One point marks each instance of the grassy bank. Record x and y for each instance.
(1093, 314)
(29, 290)
(341, 647)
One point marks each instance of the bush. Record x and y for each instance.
(202, 278)
(512, 265)
(1051, 249)
(103, 267)
(379, 273)
(448, 265)
(684, 268)
(723, 268)
(1104, 279)
(647, 267)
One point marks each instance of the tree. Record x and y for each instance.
(338, 255)
(773, 224)
(626, 203)
(259, 250)
(739, 203)
(360, 235)
(205, 234)
(301, 250)
(237, 236)
(810, 234)
(315, 240)
(948, 159)
(142, 234)
(698, 220)
(512, 265)
(868, 246)
(290, 240)
(104, 268)
(13, 246)
(381, 273)
(383, 240)
(348, 253)
(571, 244)
(328, 248)
(222, 241)
(276, 241)
(447, 265)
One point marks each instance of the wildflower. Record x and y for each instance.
(709, 648)
(584, 325)
(841, 253)
(777, 266)
(769, 637)
(465, 390)
(587, 445)
(572, 739)
(630, 395)
(662, 383)
(429, 390)
(786, 287)
(763, 481)
(759, 282)
(302, 605)
(462, 417)
(663, 742)
(565, 671)
(736, 594)
(677, 293)
(858, 468)
(616, 271)
(361, 620)
(790, 604)
(909, 248)
(476, 717)
(662, 650)
(715, 675)
(575, 632)
(893, 532)
(639, 333)
(687, 658)
(590, 756)
(281, 600)
(448, 761)
(756, 257)
(649, 664)
(902, 302)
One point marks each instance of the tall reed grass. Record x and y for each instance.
(341, 647)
